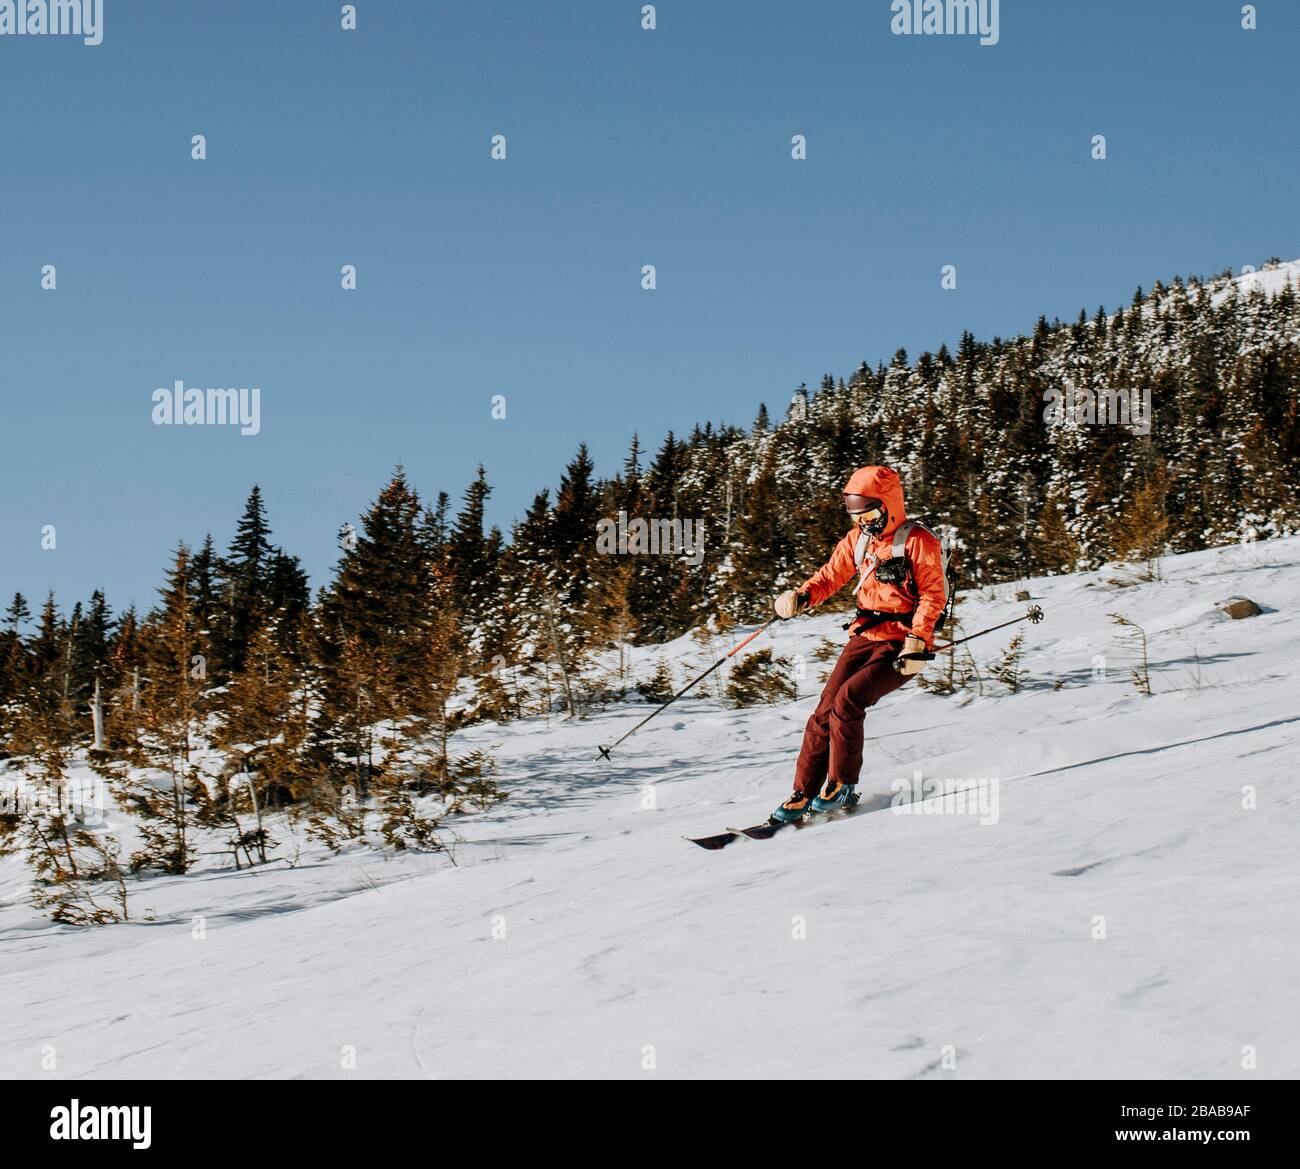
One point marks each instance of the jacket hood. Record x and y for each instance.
(884, 484)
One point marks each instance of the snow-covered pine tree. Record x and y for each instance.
(472, 561)
(762, 551)
(664, 597)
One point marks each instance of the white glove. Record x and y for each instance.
(790, 603)
(907, 665)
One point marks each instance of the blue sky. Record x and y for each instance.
(480, 277)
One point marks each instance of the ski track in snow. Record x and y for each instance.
(926, 934)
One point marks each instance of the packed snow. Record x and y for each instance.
(1130, 911)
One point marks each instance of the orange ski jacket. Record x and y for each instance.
(923, 594)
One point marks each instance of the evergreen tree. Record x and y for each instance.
(245, 572)
(288, 599)
(573, 531)
(14, 663)
(373, 630)
(47, 645)
(762, 552)
(204, 591)
(473, 558)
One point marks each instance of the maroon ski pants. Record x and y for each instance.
(832, 740)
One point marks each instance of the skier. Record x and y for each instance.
(901, 594)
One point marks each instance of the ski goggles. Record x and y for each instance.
(858, 504)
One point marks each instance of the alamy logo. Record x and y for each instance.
(81, 803)
(212, 407)
(90, 1122)
(936, 797)
(946, 18)
(1084, 406)
(57, 18)
(642, 537)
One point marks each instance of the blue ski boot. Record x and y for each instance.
(795, 808)
(835, 796)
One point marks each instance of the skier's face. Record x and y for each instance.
(866, 512)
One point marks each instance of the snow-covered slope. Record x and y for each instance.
(1269, 281)
(581, 935)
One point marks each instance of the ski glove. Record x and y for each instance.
(789, 604)
(913, 656)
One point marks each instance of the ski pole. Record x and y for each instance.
(690, 685)
(1034, 615)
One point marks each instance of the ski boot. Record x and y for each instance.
(795, 808)
(835, 796)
